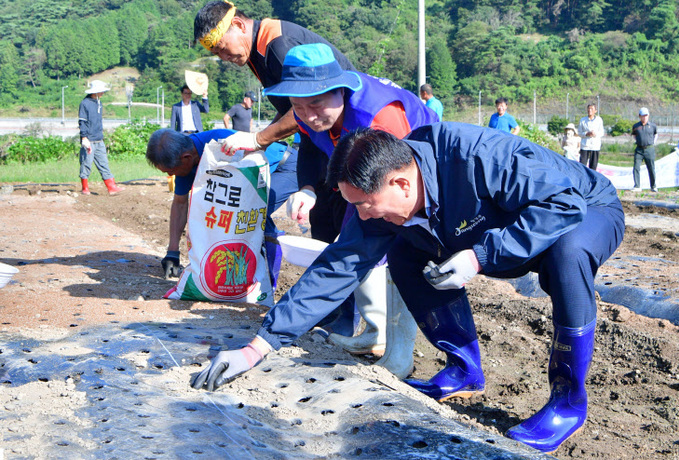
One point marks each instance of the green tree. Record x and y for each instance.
(9, 65)
(662, 22)
(442, 72)
(132, 32)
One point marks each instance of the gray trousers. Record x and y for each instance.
(98, 155)
(647, 154)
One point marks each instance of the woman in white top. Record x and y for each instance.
(571, 143)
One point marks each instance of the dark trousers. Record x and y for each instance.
(589, 158)
(566, 269)
(647, 154)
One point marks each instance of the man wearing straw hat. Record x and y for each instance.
(93, 149)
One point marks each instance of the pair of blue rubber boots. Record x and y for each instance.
(451, 329)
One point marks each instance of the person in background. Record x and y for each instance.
(185, 116)
(427, 94)
(92, 147)
(177, 154)
(571, 143)
(646, 135)
(502, 120)
(591, 130)
(240, 114)
(446, 203)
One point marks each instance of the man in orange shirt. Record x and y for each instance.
(328, 103)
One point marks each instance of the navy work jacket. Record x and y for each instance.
(501, 195)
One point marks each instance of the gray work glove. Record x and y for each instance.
(455, 272)
(228, 365)
(170, 264)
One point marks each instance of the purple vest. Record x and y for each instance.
(362, 106)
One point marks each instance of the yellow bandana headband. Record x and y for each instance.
(212, 38)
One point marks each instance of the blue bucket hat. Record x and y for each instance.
(309, 70)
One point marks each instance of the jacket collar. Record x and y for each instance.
(426, 161)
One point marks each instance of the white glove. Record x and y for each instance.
(241, 141)
(299, 204)
(455, 272)
(85, 142)
(228, 365)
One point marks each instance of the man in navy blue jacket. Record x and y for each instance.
(450, 201)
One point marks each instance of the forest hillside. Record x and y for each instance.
(626, 51)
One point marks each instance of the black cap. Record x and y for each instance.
(251, 95)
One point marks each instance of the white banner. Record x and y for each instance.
(666, 173)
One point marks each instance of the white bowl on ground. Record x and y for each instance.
(299, 250)
(6, 274)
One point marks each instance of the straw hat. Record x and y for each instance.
(196, 81)
(97, 86)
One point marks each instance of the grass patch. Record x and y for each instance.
(623, 154)
(66, 171)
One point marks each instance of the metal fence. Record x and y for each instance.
(540, 111)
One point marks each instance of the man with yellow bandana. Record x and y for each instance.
(262, 45)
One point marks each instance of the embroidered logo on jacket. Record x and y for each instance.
(465, 227)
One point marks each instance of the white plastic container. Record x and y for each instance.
(299, 250)
(6, 274)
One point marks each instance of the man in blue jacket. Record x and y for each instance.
(448, 202)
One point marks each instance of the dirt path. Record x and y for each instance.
(71, 279)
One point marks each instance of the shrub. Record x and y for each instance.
(621, 126)
(556, 125)
(26, 149)
(128, 141)
(534, 134)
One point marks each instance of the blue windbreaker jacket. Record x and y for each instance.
(501, 195)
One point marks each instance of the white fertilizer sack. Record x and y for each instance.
(227, 214)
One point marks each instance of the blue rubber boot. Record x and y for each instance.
(566, 411)
(451, 329)
(274, 256)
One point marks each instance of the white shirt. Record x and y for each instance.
(187, 118)
(596, 125)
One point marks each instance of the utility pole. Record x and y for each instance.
(421, 58)
(129, 89)
(163, 109)
(567, 95)
(480, 120)
(63, 120)
(535, 107)
(158, 104)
